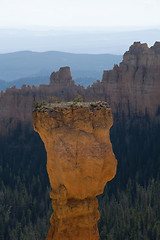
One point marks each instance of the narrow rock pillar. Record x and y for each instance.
(80, 161)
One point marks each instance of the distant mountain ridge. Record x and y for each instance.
(28, 65)
(76, 40)
(24, 81)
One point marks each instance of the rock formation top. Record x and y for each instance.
(63, 76)
(67, 105)
(141, 55)
(84, 116)
(138, 47)
(156, 47)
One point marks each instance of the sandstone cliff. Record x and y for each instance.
(80, 161)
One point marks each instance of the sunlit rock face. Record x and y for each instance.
(80, 161)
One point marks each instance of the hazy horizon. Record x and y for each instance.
(80, 40)
(77, 26)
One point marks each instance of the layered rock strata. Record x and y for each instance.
(80, 161)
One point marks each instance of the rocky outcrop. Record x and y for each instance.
(80, 161)
(62, 84)
(62, 77)
(133, 87)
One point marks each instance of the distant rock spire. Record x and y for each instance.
(63, 76)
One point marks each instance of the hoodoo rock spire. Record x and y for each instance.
(80, 161)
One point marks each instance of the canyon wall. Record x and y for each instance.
(133, 87)
(80, 161)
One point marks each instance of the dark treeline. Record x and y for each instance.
(25, 207)
(129, 206)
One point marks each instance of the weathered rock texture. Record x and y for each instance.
(80, 161)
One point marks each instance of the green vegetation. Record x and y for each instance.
(39, 104)
(25, 207)
(77, 99)
(54, 99)
(130, 205)
(133, 213)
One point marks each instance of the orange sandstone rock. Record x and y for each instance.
(80, 161)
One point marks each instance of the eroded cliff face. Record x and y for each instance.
(80, 161)
(138, 79)
(16, 109)
(133, 87)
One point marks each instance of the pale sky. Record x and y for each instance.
(67, 13)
